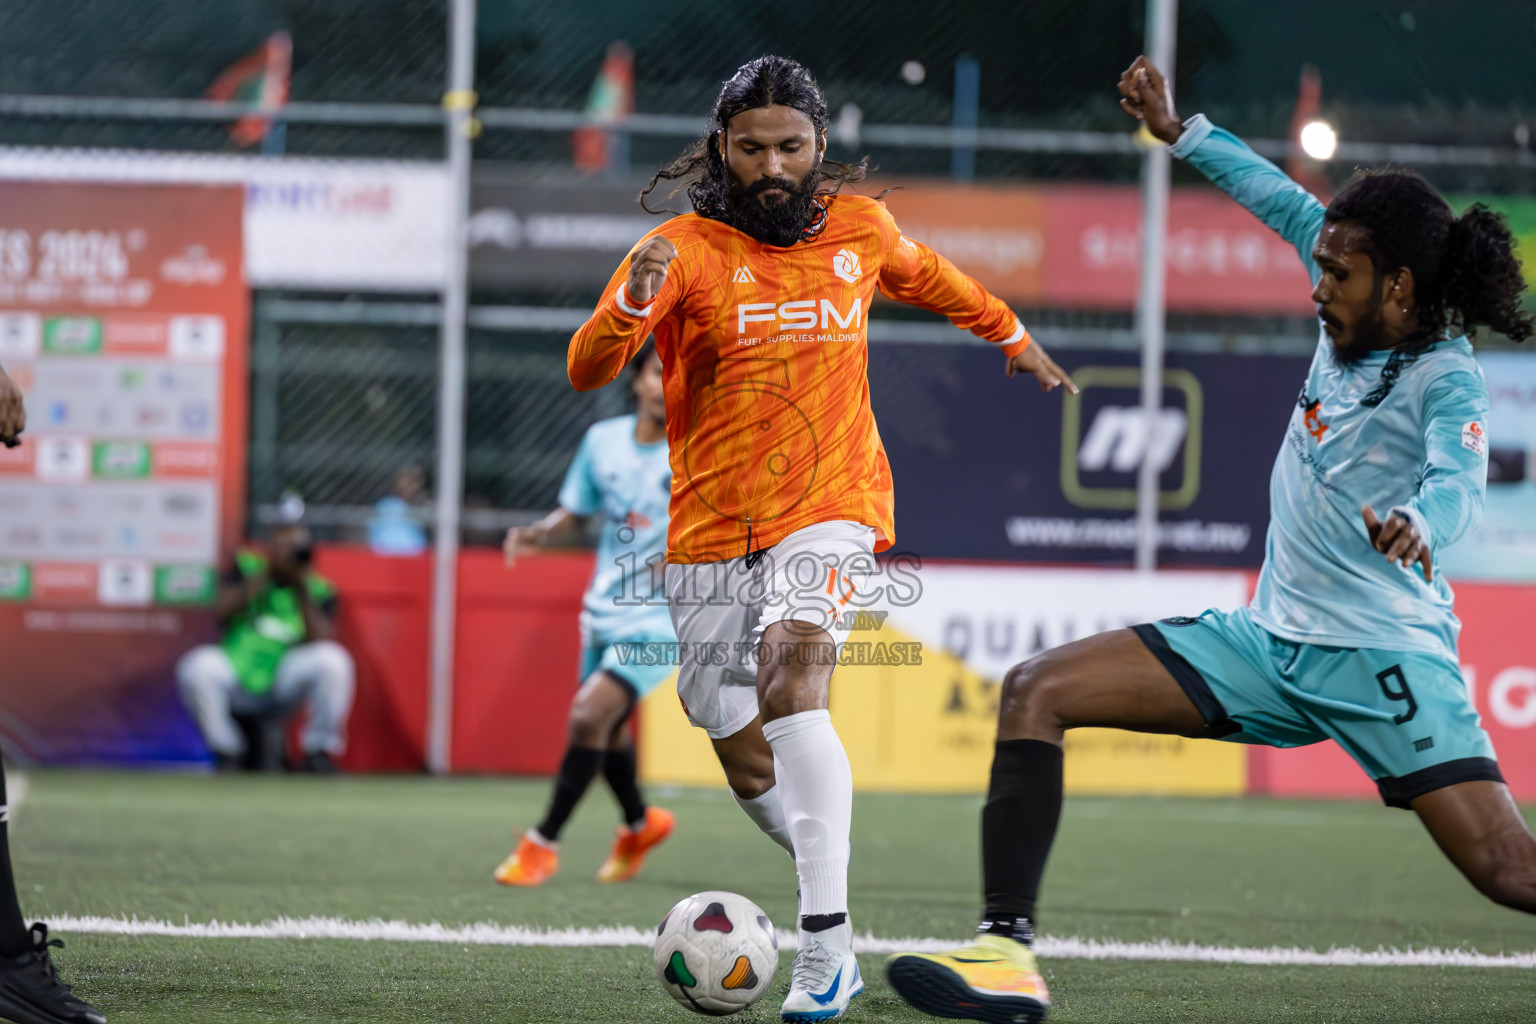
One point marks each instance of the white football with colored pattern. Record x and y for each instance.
(716, 952)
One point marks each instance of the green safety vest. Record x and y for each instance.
(273, 622)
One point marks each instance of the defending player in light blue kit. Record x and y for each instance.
(1350, 635)
(622, 477)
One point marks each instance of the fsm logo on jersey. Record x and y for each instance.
(1106, 436)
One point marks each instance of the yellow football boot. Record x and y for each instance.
(996, 980)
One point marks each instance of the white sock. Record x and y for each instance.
(768, 814)
(816, 789)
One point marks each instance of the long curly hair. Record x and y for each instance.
(1465, 271)
(701, 168)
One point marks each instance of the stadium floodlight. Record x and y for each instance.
(1319, 140)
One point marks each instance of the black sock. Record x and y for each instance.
(577, 770)
(1018, 826)
(821, 922)
(619, 770)
(15, 938)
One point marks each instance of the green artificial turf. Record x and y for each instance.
(248, 849)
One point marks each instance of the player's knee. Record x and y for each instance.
(1029, 689)
(588, 728)
(199, 669)
(789, 685)
(592, 723)
(333, 661)
(781, 694)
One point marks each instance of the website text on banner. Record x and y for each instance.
(123, 317)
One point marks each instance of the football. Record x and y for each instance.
(716, 952)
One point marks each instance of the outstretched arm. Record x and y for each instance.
(559, 527)
(1261, 187)
(580, 499)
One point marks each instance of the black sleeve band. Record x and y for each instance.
(1401, 790)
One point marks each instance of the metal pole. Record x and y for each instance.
(1162, 28)
(964, 117)
(458, 104)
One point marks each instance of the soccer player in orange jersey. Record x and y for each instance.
(781, 491)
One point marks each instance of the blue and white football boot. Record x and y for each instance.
(826, 976)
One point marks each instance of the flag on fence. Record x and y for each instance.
(259, 77)
(611, 100)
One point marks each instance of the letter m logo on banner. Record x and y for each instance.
(1106, 436)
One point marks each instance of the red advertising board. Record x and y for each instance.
(1220, 258)
(124, 317)
(1079, 246)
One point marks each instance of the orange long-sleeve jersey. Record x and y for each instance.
(765, 354)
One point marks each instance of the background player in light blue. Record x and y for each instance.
(621, 477)
(1350, 635)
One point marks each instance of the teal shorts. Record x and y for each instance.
(1404, 716)
(631, 672)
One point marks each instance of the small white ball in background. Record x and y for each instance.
(913, 72)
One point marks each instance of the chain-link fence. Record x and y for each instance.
(344, 256)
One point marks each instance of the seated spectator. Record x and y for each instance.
(393, 529)
(278, 655)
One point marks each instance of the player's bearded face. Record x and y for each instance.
(775, 211)
(1365, 335)
(1349, 293)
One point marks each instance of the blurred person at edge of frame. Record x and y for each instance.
(278, 654)
(393, 529)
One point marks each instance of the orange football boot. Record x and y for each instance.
(630, 847)
(530, 864)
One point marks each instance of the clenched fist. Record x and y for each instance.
(648, 269)
(1144, 95)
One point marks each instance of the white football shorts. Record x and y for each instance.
(722, 609)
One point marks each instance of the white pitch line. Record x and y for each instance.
(490, 934)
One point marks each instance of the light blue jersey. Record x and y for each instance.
(1422, 450)
(628, 487)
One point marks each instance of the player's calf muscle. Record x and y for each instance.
(1505, 871)
(1481, 830)
(747, 761)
